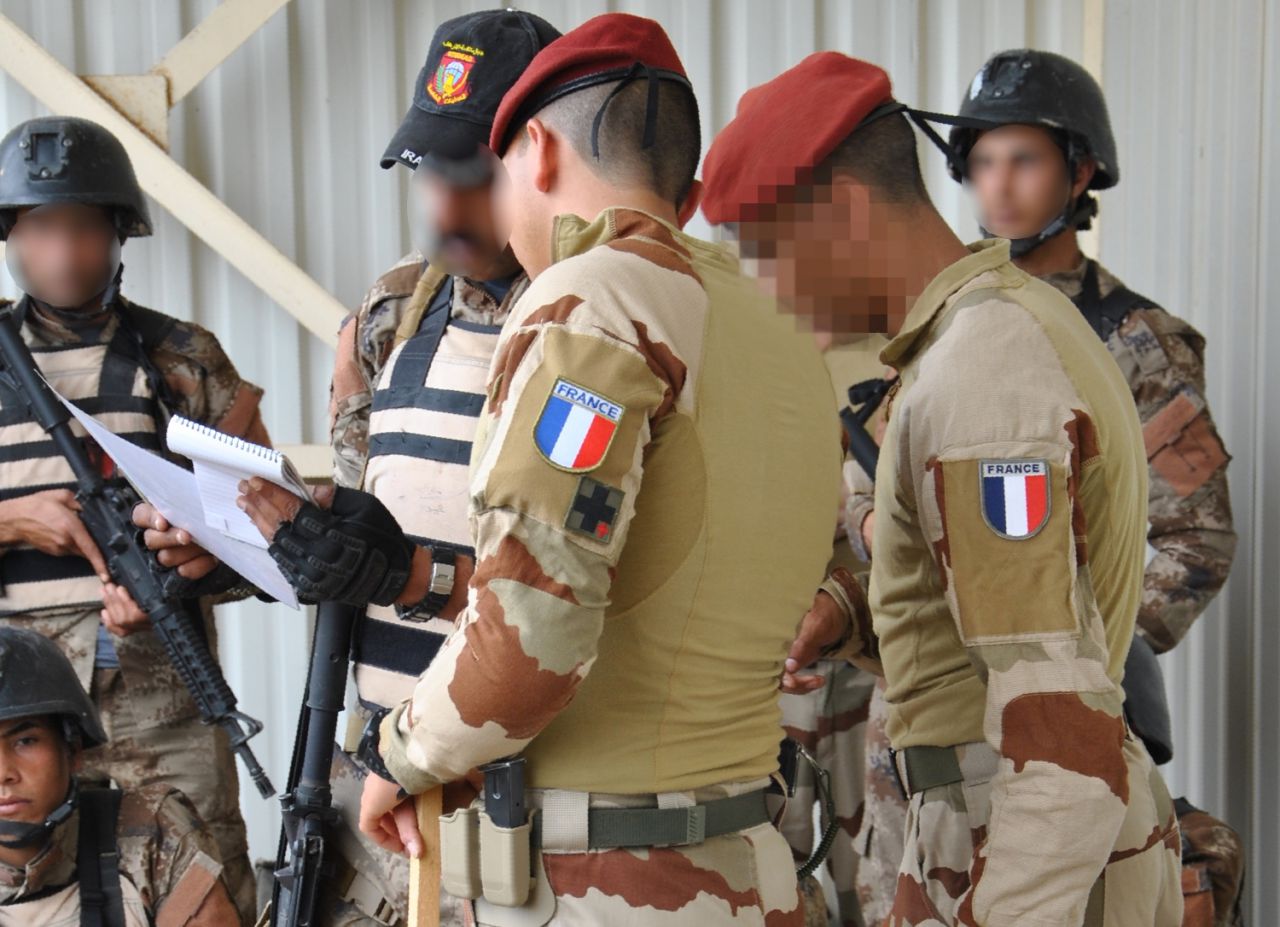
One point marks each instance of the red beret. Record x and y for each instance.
(602, 49)
(786, 126)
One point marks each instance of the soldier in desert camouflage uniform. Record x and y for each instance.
(53, 832)
(616, 551)
(68, 189)
(1039, 127)
(1030, 170)
(1008, 539)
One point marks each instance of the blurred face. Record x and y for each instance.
(63, 254)
(1019, 177)
(35, 769)
(835, 260)
(525, 215)
(456, 227)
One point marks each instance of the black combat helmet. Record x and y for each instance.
(61, 159)
(37, 680)
(1038, 88)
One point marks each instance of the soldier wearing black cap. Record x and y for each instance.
(409, 379)
(96, 856)
(471, 63)
(69, 200)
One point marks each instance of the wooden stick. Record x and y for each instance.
(424, 871)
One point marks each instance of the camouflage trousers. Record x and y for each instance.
(1213, 863)
(830, 723)
(1140, 885)
(879, 842)
(745, 878)
(372, 888)
(186, 754)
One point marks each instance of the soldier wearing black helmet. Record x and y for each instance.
(1032, 140)
(69, 201)
(1058, 101)
(96, 856)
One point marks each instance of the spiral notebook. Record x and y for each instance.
(221, 461)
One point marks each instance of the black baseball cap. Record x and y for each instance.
(472, 62)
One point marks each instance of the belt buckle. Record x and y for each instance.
(386, 914)
(365, 896)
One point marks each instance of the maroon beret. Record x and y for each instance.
(786, 127)
(605, 48)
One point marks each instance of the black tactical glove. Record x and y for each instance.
(354, 552)
(218, 581)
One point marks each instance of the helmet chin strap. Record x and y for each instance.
(15, 835)
(113, 288)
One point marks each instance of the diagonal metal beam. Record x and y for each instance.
(208, 44)
(190, 202)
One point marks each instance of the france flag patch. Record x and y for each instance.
(1015, 497)
(576, 427)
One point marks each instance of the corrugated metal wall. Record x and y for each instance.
(1195, 223)
(289, 129)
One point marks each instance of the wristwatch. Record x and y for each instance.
(439, 587)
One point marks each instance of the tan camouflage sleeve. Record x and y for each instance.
(575, 390)
(161, 833)
(206, 384)
(859, 644)
(365, 341)
(350, 404)
(1024, 614)
(1189, 506)
(209, 389)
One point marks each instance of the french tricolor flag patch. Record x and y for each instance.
(1015, 497)
(576, 427)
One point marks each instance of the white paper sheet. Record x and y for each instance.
(173, 491)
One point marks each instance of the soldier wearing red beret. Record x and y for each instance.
(638, 574)
(1009, 541)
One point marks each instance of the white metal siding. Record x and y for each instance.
(289, 129)
(1195, 224)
